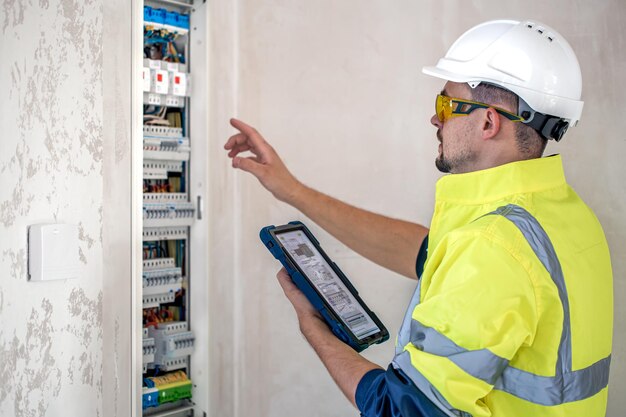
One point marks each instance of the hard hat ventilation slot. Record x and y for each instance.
(542, 31)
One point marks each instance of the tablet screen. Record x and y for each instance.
(315, 267)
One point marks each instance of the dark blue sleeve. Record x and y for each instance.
(421, 258)
(391, 394)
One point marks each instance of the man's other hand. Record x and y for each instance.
(302, 305)
(265, 164)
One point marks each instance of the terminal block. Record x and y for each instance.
(171, 387)
(150, 397)
(175, 391)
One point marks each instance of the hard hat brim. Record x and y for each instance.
(447, 75)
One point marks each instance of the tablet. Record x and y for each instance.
(324, 284)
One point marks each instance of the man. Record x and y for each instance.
(512, 315)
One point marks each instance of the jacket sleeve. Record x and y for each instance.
(390, 394)
(477, 309)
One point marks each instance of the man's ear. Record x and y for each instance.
(491, 124)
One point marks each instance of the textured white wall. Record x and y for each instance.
(336, 88)
(53, 160)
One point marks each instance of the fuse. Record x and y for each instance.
(179, 83)
(161, 81)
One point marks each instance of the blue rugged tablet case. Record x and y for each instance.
(303, 284)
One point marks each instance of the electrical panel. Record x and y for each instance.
(170, 215)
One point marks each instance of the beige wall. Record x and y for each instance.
(336, 88)
(65, 157)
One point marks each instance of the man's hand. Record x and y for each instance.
(302, 305)
(345, 366)
(266, 165)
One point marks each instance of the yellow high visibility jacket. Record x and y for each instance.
(513, 314)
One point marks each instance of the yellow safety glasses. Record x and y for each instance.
(448, 107)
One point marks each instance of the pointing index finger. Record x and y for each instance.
(254, 141)
(247, 130)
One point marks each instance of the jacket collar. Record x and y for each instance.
(493, 184)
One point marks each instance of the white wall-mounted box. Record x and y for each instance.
(53, 252)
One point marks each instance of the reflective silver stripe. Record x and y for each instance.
(566, 386)
(402, 361)
(555, 390)
(404, 335)
(481, 363)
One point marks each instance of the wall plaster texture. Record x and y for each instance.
(53, 163)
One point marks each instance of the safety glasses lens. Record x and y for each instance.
(443, 108)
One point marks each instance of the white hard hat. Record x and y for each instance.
(528, 58)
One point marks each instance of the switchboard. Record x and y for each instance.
(174, 378)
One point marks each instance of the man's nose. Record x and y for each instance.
(435, 122)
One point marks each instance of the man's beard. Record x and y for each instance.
(442, 165)
(440, 162)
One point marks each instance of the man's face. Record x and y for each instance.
(457, 152)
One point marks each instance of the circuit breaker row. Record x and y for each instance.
(163, 280)
(165, 233)
(158, 169)
(180, 214)
(164, 150)
(165, 78)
